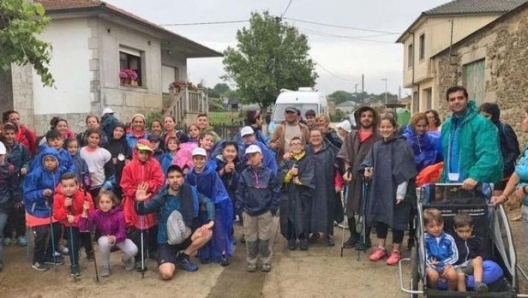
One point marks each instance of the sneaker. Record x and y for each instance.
(64, 250)
(342, 225)
(352, 241)
(304, 244)
(40, 266)
(364, 246)
(225, 261)
(7, 241)
(481, 287)
(21, 240)
(329, 240)
(394, 258)
(251, 267)
(57, 260)
(184, 263)
(314, 238)
(291, 244)
(266, 267)
(378, 254)
(105, 271)
(139, 268)
(75, 271)
(129, 264)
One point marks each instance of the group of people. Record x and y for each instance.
(170, 194)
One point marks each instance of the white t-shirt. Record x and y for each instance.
(96, 160)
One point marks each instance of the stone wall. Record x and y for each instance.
(22, 79)
(504, 46)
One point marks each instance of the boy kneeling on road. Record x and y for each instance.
(185, 201)
(258, 197)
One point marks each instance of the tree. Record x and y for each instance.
(20, 21)
(270, 55)
(219, 90)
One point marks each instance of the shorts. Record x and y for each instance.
(466, 268)
(168, 253)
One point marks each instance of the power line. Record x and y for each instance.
(360, 38)
(205, 23)
(339, 26)
(287, 7)
(331, 73)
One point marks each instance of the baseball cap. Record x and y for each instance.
(291, 109)
(345, 125)
(108, 111)
(199, 151)
(144, 145)
(2, 149)
(246, 130)
(253, 149)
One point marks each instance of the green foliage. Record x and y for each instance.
(337, 116)
(217, 118)
(215, 105)
(270, 55)
(219, 90)
(20, 21)
(151, 116)
(342, 96)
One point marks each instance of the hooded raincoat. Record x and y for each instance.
(427, 147)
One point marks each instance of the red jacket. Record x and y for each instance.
(28, 138)
(134, 173)
(60, 211)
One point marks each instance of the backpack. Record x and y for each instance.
(177, 231)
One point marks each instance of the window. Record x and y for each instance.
(422, 46)
(474, 80)
(130, 63)
(415, 102)
(410, 56)
(428, 98)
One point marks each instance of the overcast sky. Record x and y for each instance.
(341, 61)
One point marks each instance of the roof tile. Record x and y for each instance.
(475, 6)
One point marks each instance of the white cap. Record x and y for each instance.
(253, 149)
(199, 151)
(345, 125)
(246, 130)
(2, 149)
(108, 111)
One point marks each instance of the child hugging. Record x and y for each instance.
(110, 222)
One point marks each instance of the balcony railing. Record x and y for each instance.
(187, 104)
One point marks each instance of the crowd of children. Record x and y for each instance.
(122, 185)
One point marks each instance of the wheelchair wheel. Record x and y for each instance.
(415, 276)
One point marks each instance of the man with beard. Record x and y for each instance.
(355, 148)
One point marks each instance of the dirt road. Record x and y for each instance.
(319, 272)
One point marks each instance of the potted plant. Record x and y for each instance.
(128, 77)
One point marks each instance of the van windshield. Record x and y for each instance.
(278, 112)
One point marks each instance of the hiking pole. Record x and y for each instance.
(72, 247)
(362, 219)
(142, 247)
(344, 209)
(86, 179)
(52, 236)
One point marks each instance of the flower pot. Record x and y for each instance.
(125, 81)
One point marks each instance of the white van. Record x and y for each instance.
(304, 99)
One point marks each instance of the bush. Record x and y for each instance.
(151, 116)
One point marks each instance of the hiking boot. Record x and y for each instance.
(129, 264)
(105, 271)
(75, 271)
(378, 254)
(21, 240)
(7, 241)
(139, 268)
(185, 263)
(481, 287)
(291, 244)
(39, 266)
(303, 244)
(364, 246)
(410, 243)
(352, 241)
(251, 267)
(329, 240)
(394, 258)
(266, 267)
(57, 260)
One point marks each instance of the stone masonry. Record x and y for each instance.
(504, 46)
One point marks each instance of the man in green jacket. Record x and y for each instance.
(470, 143)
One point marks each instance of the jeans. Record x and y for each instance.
(127, 247)
(3, 221)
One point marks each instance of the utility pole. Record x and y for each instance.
(386, 93)
(362, 87)
(399, 92)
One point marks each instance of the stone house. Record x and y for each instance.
(434, 31)
(93, 42)
(492, 63)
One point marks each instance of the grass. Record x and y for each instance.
(216, 118)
